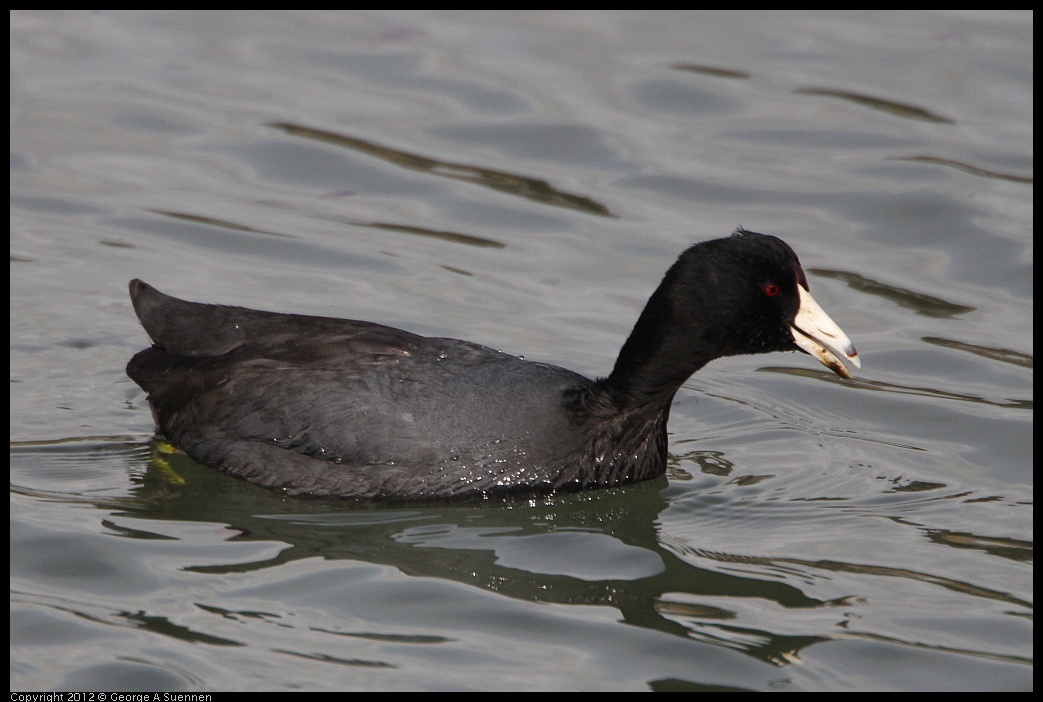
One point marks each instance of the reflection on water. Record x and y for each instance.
(530, 188)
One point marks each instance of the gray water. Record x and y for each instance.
(523, 180)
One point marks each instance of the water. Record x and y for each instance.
(523, 180)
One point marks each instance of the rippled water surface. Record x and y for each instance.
(523, 180)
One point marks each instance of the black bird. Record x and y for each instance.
(322, 406)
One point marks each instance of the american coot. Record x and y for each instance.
(321, 406)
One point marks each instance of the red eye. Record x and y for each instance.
(771, 290)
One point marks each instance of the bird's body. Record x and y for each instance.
(322, 406)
